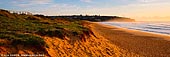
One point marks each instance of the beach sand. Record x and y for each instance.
(141, 43)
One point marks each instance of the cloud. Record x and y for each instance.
(159, 9)
(27, 3)
(40, 1)
(136, 11)
(57, 9)
(151, 0)
(86, 1)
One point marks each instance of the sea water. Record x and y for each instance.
(154, 27)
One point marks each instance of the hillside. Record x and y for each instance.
(21, 33)
(28, 34)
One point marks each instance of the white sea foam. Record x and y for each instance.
(154, 27)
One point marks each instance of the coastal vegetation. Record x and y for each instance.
(23, 29)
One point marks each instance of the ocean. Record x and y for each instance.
(154, 27)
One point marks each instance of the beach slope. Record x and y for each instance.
(141, 43)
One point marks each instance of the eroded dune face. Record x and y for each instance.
(94, 45)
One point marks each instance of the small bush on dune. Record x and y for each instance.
(25, 39)
(51, 32)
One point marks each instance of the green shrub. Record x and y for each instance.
(25, 39)
(51, 33)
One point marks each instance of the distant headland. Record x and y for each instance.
(93, 18)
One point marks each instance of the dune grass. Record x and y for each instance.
(20, 29)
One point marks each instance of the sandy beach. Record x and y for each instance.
(141, 43)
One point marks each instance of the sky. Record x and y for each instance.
(140, 10)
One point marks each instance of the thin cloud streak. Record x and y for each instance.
(88, 1)
(28, 3)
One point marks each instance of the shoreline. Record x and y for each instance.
(138, 32)
(134, 41)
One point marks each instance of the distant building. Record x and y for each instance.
(20, 12)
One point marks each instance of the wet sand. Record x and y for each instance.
(138, 42)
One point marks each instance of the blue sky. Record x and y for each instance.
(137, 9)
